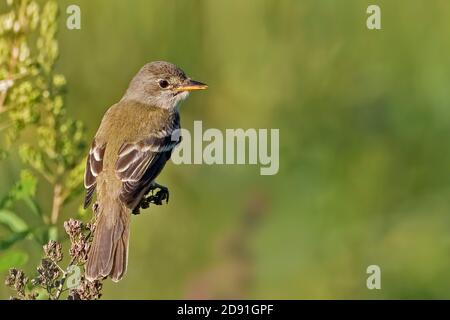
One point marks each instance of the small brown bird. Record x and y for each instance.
(131, 147)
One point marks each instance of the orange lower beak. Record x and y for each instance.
(192, 85)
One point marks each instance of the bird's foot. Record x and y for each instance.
(156, 195)
(162, 194)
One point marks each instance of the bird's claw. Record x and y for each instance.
(157, 198)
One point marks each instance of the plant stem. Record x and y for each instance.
(63, 280)
(57, 203)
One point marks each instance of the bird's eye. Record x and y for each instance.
(163, 83)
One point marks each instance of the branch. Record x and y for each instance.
(57, 203)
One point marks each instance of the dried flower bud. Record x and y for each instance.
(53, 251)
(73, 227)
(79, 250)
(87, 290)
(48, 273)
(33, 296)
(51, 276)
(16, 280)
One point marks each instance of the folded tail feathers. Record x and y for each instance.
(109, 250)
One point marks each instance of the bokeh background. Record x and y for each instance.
(364, 123)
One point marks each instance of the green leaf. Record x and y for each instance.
(12, 258)
(24, 188)
(12, 221)
(33, 206)
(16, 237)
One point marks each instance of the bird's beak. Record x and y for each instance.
(191, 85)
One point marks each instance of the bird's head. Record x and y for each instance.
(161, 84)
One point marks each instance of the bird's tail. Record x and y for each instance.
(108, 255)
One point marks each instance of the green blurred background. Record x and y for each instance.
(364, 122)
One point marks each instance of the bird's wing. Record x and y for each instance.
(140, 163)
(94, 165)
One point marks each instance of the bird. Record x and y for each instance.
(135, 139)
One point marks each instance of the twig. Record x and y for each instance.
(63, 280)
(57, 203)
